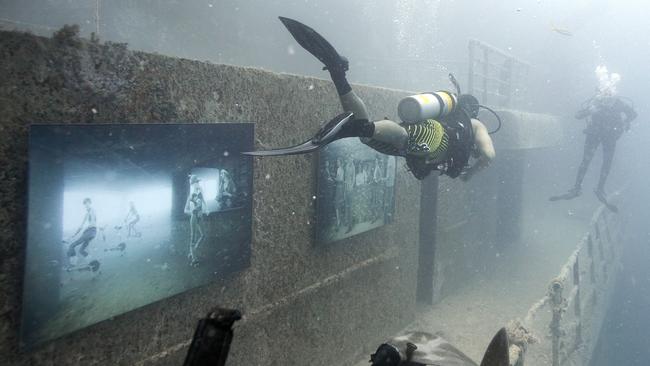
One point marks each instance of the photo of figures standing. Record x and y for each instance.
(356, 187)
(120, 216)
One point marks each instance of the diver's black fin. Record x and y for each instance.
(571, 194)
(497, 353)
(305, 147)
(328, 133)
(315, 44)
(601, 197)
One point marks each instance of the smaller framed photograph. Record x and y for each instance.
(356, 190)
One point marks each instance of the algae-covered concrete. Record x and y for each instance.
(304, 303)
(523, 130)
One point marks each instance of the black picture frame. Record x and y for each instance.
(355, 190)
(129, 185)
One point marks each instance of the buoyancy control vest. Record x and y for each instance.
(457, 143)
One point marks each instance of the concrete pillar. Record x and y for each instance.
(427, 238)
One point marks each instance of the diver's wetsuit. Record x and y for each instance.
(428, 145)
(605, 127)
(444, 145)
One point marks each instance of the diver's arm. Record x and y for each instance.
(630, 114)
(587, 110)
(485, 147)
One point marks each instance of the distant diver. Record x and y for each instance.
(88, 230)
(195, 206)
(440, 130)
(605, 125)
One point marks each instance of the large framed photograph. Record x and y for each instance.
(356, 187)
(120, 216)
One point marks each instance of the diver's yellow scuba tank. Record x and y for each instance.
(420, 107)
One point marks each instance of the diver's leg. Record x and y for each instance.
(384, 136)
(591, 143)
(352, 103)
(609, 147)
(383, 132)
(337, 66)
(337, 74)
(388, 137)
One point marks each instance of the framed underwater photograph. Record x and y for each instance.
(356, 190)
(122, 215)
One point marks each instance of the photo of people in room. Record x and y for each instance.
(355, 190)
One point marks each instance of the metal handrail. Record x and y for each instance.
(509, 72)
(559, 303)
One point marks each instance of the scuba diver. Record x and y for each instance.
(440, 131)
(605, 125)
(214, 334)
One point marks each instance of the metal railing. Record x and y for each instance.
(562, 327)
(496, 77)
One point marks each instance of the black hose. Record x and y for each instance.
(453, 80)
(496, 115)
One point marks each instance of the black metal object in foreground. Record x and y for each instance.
(212, 338)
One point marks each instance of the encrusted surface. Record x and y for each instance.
(305, 300)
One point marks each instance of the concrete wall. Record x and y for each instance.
(304, 303)
(480, 220)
